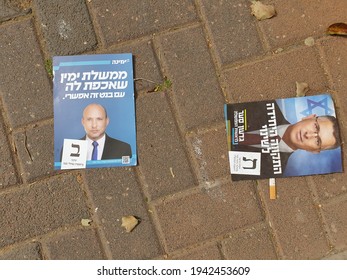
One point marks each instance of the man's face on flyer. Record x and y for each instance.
(313, 134)
(94, 121)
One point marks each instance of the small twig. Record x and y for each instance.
(26, 145)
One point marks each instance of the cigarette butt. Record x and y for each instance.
(272, 184)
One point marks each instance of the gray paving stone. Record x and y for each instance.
(338, 256)
(336, 221)
(35, 151)
(30, 251)
(24, 85)
(66, 26)
(116, 194)
(297, 20)
(8, 174)
(210, 252)
(250, 245)
(295, 220)
(211, 152)
(76, 245)
(143, 18)
(275, 76)
(162, 158)
(13, 8)
(195, 89)
(198, 217)
(146, 69)
(40, 208)
(233, 29)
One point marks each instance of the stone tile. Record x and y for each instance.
(145, 17)
(76, 245)
(28, 96)
(336, 219)
(331, 185)
(35, 151)
(275, 76)
(195, 89)
(207, 214)
(66, 26)
(116, 194)
(211, 152)
(41, 208)
(210, 252)
(8, 174)
(233, 29)
(11, 9)
(146, 68)
(161, 153)
(255, 244)
(295, 220)
(335, 51)
(298, 19)
(29, 251)
(338, 256)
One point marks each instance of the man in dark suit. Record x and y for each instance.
(100, 145)
(312, 134)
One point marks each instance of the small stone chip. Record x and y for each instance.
(86, 222)
(129, 223)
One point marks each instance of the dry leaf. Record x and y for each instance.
(129, 223)
(339, 28)
(86, 222)
(262, 11)
(301, 89)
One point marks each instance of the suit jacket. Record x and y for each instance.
(114, 148)
(256, 116)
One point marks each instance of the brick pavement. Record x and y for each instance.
(214, 52)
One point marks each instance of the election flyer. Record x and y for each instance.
(94, 111)
(283, 137)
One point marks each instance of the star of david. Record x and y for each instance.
(311, 105)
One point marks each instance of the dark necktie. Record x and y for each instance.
(95, 151)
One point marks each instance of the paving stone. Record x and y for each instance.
(28, 96)
(331, 185)
(296, 20)
(249, 245)
(162, 158)
(207, 214)
(76, 245)
(40, 208)
(275, 76)
(335, 50)
(13, 8)
(211, 152)
(8, 174)
(144, 18)
(146, 69)
(195, 89)
(294, 219)
(210, 252)
(66, 26)
(35, 151)
(338, 256)
(336, 219)
(116, 194)
(30, 251)
(233, 29)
